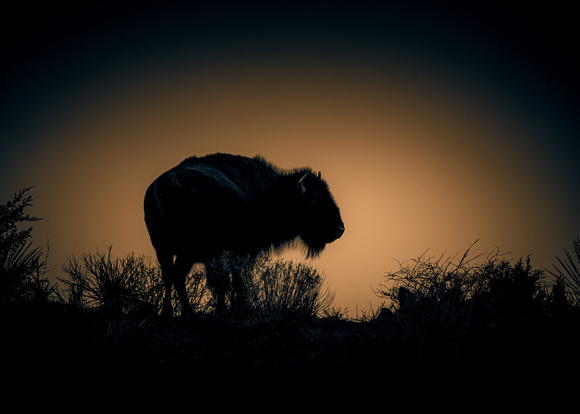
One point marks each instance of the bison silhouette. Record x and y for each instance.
(221, 202)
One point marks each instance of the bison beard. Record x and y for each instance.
(221, 202)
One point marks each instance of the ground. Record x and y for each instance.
(50, 338)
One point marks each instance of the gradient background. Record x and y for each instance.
(434, 125)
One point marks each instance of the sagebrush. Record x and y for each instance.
(256, 289)
(118, 285)
(265, 289)
(439, 305)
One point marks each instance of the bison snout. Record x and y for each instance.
(339, 232)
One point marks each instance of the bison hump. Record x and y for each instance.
(206, 181)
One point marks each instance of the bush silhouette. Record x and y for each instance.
(268, 290)
(567, 273)
(442, 307)
(22, 268)
(128, 285)
(256, 290)
(474, 311)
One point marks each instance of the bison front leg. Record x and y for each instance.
(218, 280)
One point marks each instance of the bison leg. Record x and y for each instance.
(218, 280)
(166, 262)
(181, 269)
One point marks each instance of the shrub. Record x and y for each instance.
(435, 306)
(22, 268)
(267, 290)
(282, 290)
(259, 290)
(568, 273)
(118, 286)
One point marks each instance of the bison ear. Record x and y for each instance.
(300, 184)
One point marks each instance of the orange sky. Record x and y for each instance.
(428, 138)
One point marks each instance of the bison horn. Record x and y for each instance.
(301, 184)
(319, 175)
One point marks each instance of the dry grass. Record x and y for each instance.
(257, 290)
(119, 286)
(267, 290)
(465, 310)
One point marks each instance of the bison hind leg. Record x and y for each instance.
(174, 271)
(166, 262)
(181, 269)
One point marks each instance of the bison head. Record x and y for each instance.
(320, 221)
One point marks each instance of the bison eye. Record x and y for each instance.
(313, 203)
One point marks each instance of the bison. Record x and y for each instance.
(221, 202)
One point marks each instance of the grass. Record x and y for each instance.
(263, 290)
(119, 287)
(442, 314)
(439, 313)
(443, 307)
